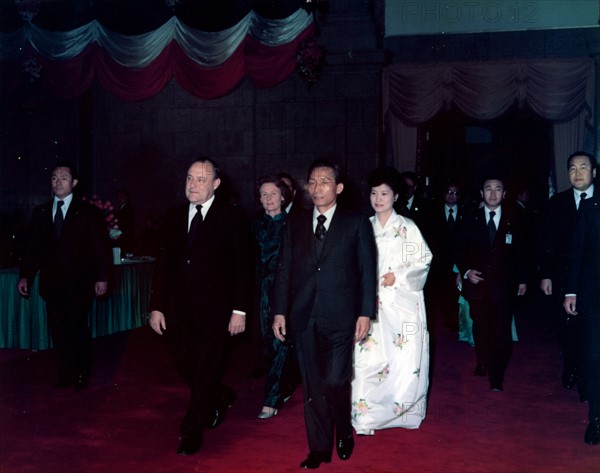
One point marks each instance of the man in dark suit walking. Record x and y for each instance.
(411, 204)
(200, 292)
(490, 258)
(68, 243)
(324, 294)
(441, 293)
(582, 299)
(561, 217)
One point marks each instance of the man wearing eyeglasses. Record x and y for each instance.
(440, 292)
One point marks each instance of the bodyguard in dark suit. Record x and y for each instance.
(324, 295)
(411, 204)
(582, 298)
(490, 258)
(200, 292)
(561, 216)
(441, 293)
(68, 243)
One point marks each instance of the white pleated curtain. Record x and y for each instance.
(561, 91)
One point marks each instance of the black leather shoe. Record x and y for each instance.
(496, 387)
(592, 433)
(189, 445)
(480, 370)
(80, 383)
(314, 460)
(220, 411)
(569, 379)
(344, 447)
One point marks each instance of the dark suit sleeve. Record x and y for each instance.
(158, 293)
(520, 257)
(462, 244)
(282, 283)
(367, 263)
(576, 243)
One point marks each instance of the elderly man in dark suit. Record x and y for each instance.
(69, 244)
(490, 258)
(324, 293)
(200, 292)
(582, 299)
(555, 256)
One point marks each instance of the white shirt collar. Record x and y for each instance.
(454, 210)
(589, 193)
(205, 208)
(67, 202)
(496, 217)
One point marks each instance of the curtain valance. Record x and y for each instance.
(561, 91)
(207, 64)
(555, 90)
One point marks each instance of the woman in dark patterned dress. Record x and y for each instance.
(268, 229)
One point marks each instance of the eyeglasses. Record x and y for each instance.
(451, 192)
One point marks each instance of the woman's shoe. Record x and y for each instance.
(267, 412)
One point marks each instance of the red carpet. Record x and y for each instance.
(128, 418)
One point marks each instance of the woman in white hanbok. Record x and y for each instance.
(391, 365)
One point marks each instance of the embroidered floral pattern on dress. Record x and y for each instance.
(399, 340)
(400, 232)
(368, 343)
(381, 375)
(359, 408)
(398, 410)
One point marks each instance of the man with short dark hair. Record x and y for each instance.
(410, 204)
(561, 217)
(582, 299)
(324, 296)
(490, 258)
(441, 293)
(69, 244)
(201, 291)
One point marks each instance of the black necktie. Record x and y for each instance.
(195, 223)
(320, 230)
(450, 219)
(492, 227)
(58, 218)
(582, 197)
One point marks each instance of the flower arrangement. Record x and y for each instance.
(310, 59)
(112, 223)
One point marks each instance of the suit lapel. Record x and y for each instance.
(332, 233)
(70, 216)
(306, 237)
